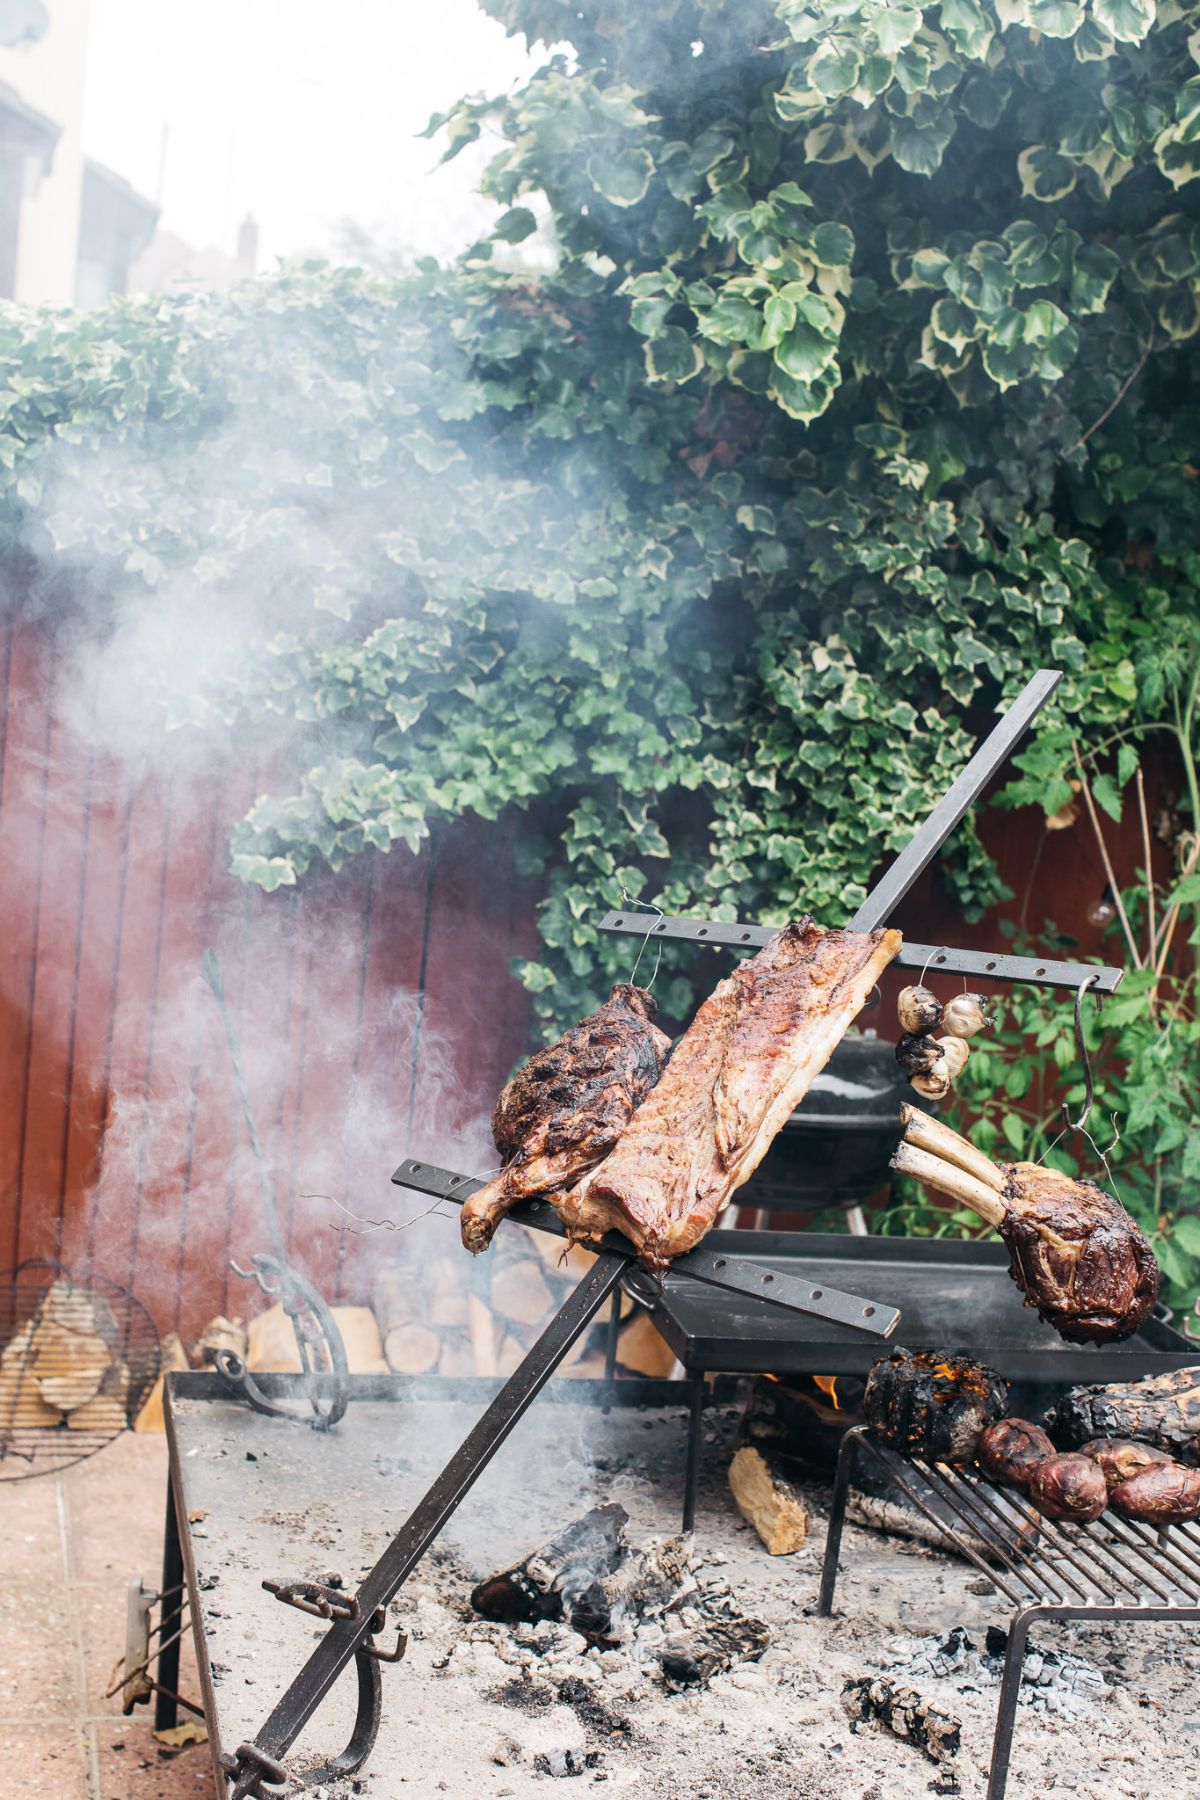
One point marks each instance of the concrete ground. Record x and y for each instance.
(68, 1546)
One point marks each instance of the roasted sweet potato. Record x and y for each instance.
(1164, 1494)
(1068, 1487)
(1121, 1458)
(1011, 1449)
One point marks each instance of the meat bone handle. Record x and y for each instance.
(778, 1287)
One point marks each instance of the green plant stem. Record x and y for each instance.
(1106, 859)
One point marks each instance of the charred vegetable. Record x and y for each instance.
(1068, 1487)
(935, 1083)
(932, 1406)
(917, 1053)
(1164, 1494)
(1120, 1458)
(963, 1016)
(955, 1052)
(918, 1010)
(1011, 1449)
(1163, 1410)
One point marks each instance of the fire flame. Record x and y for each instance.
(828, 1386)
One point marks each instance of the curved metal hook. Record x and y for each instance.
(1086, 1061)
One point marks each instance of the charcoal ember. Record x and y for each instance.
(901, 1710)
(1011, 1449)
(608, 1608)
(932, 1405)
(1121, 1458)
(566, 1762)
(534, 1589)
(1068, 1487)
(1163, 1410)
(692, 1658)
(1163, 1494)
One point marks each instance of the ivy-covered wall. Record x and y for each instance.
(864, 384)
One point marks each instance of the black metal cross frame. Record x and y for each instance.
(256, 1769)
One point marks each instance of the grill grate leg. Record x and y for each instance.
(691, 1480)
(166, 1712)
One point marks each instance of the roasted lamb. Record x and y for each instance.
(1073, 1250)
(568, 1106)
(743, 1065)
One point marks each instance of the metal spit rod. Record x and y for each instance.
(778, 1286)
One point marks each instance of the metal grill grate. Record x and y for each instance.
(1046, 1568)
(1034, 1561)
(77, 1358)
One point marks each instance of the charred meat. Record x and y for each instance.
(933, 1406)
(743, 1065)
(1164, 1494)
(1011, 1449)
(1073, 1250)
(1163, 1410)
(568, 1106)
(1068, 1487)
(1120, 1458)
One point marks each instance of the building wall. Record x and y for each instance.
(49, 75)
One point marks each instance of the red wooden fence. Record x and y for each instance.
(376, 1014)
(376, 1010)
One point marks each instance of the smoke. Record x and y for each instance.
(374, 1009)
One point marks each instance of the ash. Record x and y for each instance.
(481, 1711)
(1052, 1681)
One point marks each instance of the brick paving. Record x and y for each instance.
(68, 1547)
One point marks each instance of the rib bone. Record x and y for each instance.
(947, 1178)
(930, 1134)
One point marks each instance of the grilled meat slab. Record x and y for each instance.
(567, 1107)
(743, 1065)
(1073, 1250)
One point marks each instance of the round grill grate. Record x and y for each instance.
(78, 1356)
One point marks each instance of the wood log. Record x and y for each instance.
(23, 1406)
(768, 1501)
(174, 1356)
(533, 1588)
(902, 1710)
(67, 1364)
(413, 1349)
(642, 1350)
(220, 1334)
(692, 1658)
(448, 1295)
(457, 1358)
(104, 1413)
(609, 1608)
(271, 1341)
(519, 1291)
(398, 1296)
(1163, 1410)
(800, 1428)
(481, 1327)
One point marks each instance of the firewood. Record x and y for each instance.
(533, 1589)
(174, 1356)
(220, 1334)
(642, 1350)
(768, 1501)
(456, 1359)
(68, 1365)
(902, 1710)
(104, 1413)
(644, 1585)
(692, 1658)
(510, 1356)
(412, 1349)
(519, 1292)
(23, 1407)
(271, 1341)
(800, 1428)
(483, 1337)
(1163, 1410)
(398, 1297)
(447, 1295)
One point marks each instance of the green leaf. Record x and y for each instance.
(835, 68)
(1044, 174)
(1105, 794)
(673, 356)
(1126, 20)
(832, 245)
(1185, 1233)
(895, 27)
(515, 225)
(1055, 18)
(804, 352)
(621, 173)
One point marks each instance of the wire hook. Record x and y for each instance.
(645, 906)
(1082, 1050)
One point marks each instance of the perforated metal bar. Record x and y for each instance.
(944, 959)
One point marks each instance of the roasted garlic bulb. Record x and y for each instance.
(963, 1016)
(918, 1010)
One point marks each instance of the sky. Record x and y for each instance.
(302, 113)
